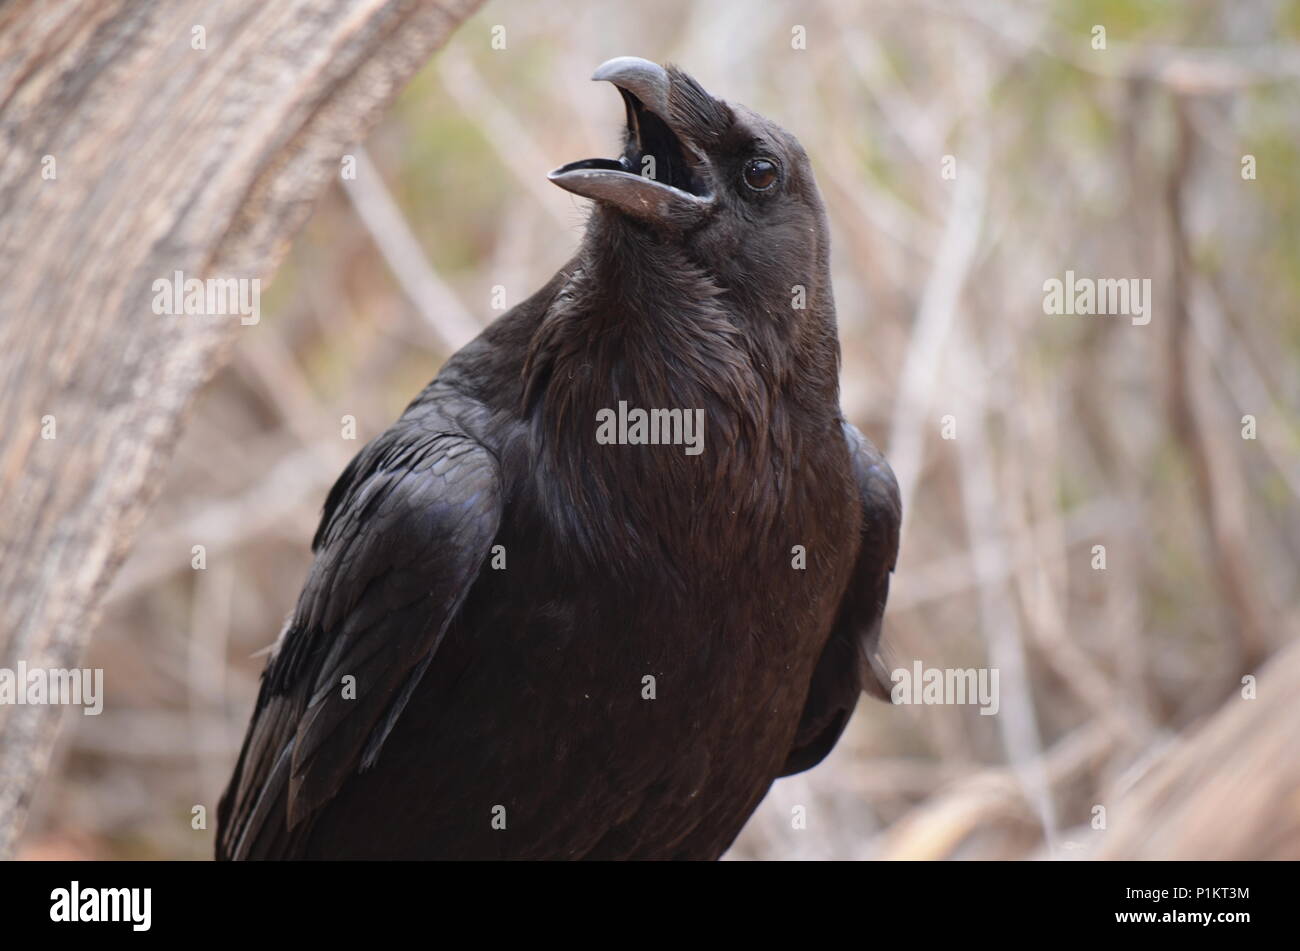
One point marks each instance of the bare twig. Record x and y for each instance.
(437, 303)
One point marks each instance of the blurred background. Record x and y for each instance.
(1123, 162)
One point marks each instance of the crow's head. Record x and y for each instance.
(731, 186)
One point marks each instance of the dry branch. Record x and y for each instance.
(1229, 792)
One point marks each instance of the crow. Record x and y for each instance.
(532, 632)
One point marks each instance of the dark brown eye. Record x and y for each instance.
(760, 174)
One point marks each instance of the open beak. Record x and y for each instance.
(662, 177)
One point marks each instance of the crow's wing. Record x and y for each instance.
(405, 531)
(850, 663)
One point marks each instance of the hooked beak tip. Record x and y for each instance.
(647, 81)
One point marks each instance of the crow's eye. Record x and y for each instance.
(761, 174)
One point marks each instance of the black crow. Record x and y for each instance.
(620, 565)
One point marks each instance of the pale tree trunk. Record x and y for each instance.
(126, 154)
